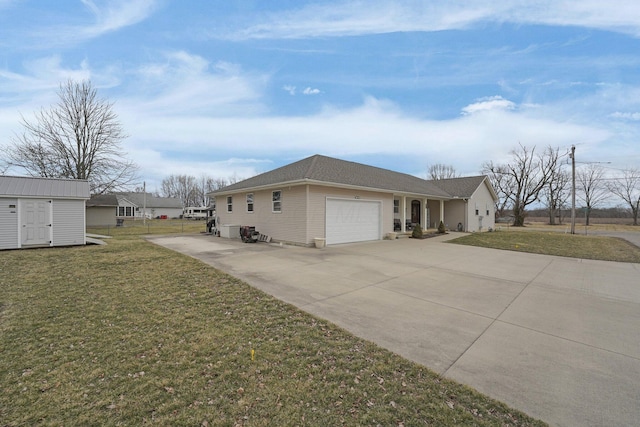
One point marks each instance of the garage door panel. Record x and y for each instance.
(352, 220)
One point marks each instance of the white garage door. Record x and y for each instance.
(352, 221)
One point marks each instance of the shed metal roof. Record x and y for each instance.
(19, 186)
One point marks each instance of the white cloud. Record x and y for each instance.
(345, 18)
(107, 16)
(156, 166)
(489, 103)
(116, 14)
(185, 84)
(290, 89)
(626, 116)
(375, 127)
(310, 91)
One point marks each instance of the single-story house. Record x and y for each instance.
(135, 205)
(101, 210)
(342, 201)
(40, 212)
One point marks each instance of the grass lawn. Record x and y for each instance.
(139, 227)
(554, 243)
(134, 334)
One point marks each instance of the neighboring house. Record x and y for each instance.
(341, 201)
(135, 205)
(101, 210)
(40, 212)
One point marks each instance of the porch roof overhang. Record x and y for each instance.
(421, 196)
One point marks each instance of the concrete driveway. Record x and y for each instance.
(557, 338)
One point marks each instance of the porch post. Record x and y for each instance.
(442, 211)
(425, 223)
(403, 223)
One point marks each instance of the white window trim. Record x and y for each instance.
(252, 203)
(273, 202)
(229, 203)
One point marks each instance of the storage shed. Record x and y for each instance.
(41, 212)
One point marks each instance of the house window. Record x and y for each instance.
(120, 211)
(396, 206)
(276, 202)
(477, 212)
(250, 202)
(229, 203)
(128, 211)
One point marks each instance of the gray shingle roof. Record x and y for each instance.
(329, 170)
(21, 186)
(109, 200)
(463, 187)
(151, 201)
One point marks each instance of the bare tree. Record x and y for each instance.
(193, 191)
(521, 180)
(628, 189)
(216, 183)
(502, 183)
(556, 191)
(234, 178)
(441, 171)
(79, 137)
(183, 187)
(592, 191)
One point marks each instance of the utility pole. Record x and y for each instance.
(573, 189)
(144, 203)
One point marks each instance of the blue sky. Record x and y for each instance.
(235, 88)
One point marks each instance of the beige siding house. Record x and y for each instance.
(101, 210)
(342, 202)
(137, 205)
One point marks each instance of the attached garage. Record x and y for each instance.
(40, 212)
(349, 220)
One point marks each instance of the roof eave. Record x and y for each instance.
(307, 181)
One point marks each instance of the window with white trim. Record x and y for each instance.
(250, 202)
(229, 203)
(396, 206)
(276, 201)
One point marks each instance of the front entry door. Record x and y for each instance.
(36, 222)
(415, 212)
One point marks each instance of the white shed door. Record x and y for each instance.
(352, 221)
(36, 222)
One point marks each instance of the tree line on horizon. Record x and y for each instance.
(531, 178)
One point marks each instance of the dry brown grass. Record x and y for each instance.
(595, 224)
(135, 334)
(552, 243)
